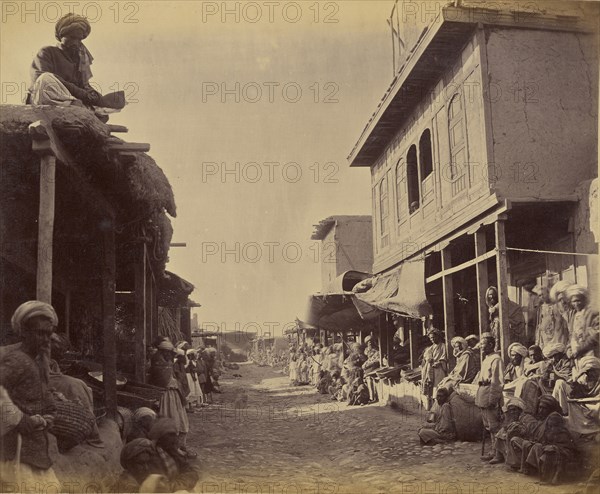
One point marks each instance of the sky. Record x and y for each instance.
(251, 109)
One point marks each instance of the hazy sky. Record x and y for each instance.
(251, 114)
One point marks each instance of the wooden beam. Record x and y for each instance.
(502, 276)
(117, 128)
(148, 302)
(448, 296)
(481, 273)
(46, 228)
(460, 267)
(122, 147)
(94, 198)
(109, 369)
(140, 315)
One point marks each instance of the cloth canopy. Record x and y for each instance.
(401, 291)
(334, 312)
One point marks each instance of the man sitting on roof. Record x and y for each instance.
(60, 74)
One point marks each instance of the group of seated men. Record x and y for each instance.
(543, 407)
(349, 379)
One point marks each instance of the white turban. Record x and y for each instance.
(587, 363)
(558, 288)
(576, 290)
(553, 349)
(459, 339)
(142, 412)
(513, 401)
(33, 308)
(517, 348)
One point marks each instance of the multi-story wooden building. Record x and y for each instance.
(483, 156)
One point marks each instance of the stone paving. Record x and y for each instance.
(264, 436)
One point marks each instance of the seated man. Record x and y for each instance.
(517, 382)
(467, 364)
(442, 429)
(60, 74)
(157, 455)
(535, 360)
(516, 365)
(557, 366)
(579, 398)
(516, 423)
(472, 340)
(547, 446)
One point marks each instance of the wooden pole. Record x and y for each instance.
(502, 275)
(108, 308)
(140, 315)
(46, 228)
(481, 270)
(448, 295)
(68, 314)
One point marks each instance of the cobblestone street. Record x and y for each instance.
(265, 436)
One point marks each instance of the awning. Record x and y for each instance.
(334, 312)
(346, 281)
(401, 291)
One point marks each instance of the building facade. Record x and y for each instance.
(483, 157)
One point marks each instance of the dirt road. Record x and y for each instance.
(265, 436)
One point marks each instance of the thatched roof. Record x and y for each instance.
(141, 183)
(136, 189)
(174, 291)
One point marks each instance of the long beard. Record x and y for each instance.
(42, 360)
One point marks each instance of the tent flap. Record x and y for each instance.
(401, 291)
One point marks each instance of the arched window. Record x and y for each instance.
(401, 208)
(456, 134)
(412, 179)
(425, 154)
(384, 207)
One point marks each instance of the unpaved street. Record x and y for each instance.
(265, 436)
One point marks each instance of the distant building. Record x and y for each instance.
(346, 245)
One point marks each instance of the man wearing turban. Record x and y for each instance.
(60, 74)
(435, 362)
(157, 454)
(552, 323)
(578, 397)
(515, 367)
(547, 446)
(559, 366)
(467, 364)
(583, 324)
(24, 369)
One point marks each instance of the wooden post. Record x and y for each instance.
(140, 315)
(414, 352)
(68, 314)
(482, 282)
(108, 309)
(381, 317)
(502, 276)
(155, 328)
(186, 324)
(46, 228)
(148, 301)
(448, 295)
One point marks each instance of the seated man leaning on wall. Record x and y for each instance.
(467, 364)
(579, 398)
(442, 428)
